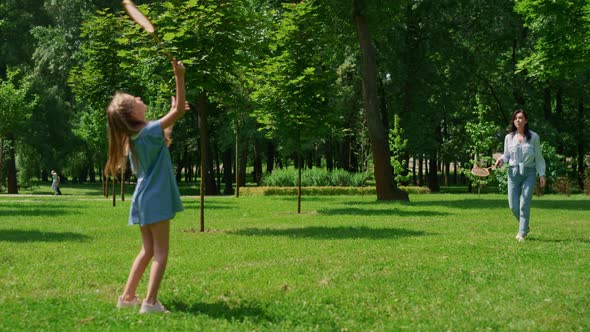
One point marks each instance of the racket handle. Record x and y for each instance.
(168, 54)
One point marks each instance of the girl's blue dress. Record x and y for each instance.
(156, 196)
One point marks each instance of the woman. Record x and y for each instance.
(522, 152)
(55, 180)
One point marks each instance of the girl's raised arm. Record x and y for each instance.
(179, 103)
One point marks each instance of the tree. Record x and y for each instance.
(95, 80)
(561, 55)
(17, 17)
(482, 140)
(386, 186)
(56, 51)
(291, 94)
(15, 111)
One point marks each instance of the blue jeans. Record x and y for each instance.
(520, 194)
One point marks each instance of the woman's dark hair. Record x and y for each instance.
(527, 132)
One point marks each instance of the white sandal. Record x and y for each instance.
(122, 303)
(157, 307)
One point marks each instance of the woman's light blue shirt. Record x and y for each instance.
(526, 152)
(156, 196)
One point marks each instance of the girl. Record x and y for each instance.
(156, 198)
(522, 152)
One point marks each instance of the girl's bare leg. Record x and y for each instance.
(160, 238)
(140, 264)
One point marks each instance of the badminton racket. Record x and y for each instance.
(480, 171)
(139, 18)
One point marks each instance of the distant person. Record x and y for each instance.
(156, 198)
(55, 180)
(522, 152)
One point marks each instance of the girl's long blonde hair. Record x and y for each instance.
(121, 126)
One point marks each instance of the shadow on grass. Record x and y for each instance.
(12, 235)
(578, 205)
(536, 239)
(379, 212)
(467, 203)
(482, 203)
(29, 210)
(209, 204)
(222, 310)
(332, 232)
(337, 199)
(188, 191)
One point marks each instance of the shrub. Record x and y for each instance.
(556, 165)
(329, 190)
(315, 177)
(556, 172)
(360, 179)
(341, 178)
(501, 175)
(562, 185)
(280, 178)
(538, 191)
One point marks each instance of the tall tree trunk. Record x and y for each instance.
(406, 170)
(309, 160)
(280, 163)
(217, 167)
(105, 186)
(414, 178)
(383, 105)
(257, 161)
(114, 190)
(317, 157)
(11, 168)
(421, 172)
(299, 162)
(270, 156)
(122, 186)
(207, 169)
(354, 162)
(547, 102)
(190, 170)
(237, 155)
(559, 114)
(243, 164)
(385, 184)
(227, 174)
(1, 159)
(433, 183)
(210, 184)
(185, 165)
(581, 147)
(446, 171)
(202, 125)
(181, 160)
(330, 156)
(299, 191)
(345, 153)
(91, 170)
(558, 101)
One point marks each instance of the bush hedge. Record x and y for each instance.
(315, 177)
(322, 190)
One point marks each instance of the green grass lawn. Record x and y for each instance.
(94, 189)
(441, 262)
